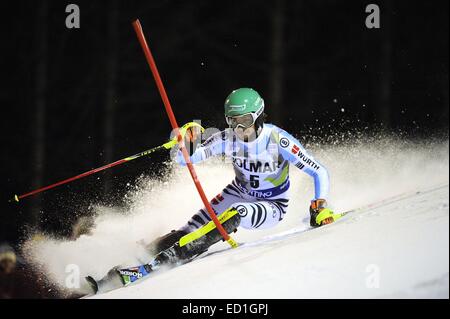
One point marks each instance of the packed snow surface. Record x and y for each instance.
(398, 248)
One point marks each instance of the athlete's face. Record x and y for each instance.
(246, 134)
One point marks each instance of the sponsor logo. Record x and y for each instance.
(242, 210)
(284, 142)
(240, 107)
(259, 194)
(131, 273)
(308, 161)
(256, 166)
(267, 193)
(296, 151)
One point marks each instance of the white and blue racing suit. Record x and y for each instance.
(259, 191)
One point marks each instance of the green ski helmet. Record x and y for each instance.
(243, 107)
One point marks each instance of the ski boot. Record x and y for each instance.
(164, 242)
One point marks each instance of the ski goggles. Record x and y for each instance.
(244, 121)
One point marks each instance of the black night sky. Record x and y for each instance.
(75, 99)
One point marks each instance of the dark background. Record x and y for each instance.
(75, 99)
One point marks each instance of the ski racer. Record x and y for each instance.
(258, 197)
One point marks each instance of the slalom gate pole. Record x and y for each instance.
(167, 145)
(151, 62)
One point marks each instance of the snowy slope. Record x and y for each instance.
(405, 243)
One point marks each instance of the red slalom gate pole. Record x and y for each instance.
(151, 62)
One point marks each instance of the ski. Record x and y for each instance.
(118, 277)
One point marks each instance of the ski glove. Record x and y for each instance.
(320, 214)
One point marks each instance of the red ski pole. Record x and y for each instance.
(151, 62)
